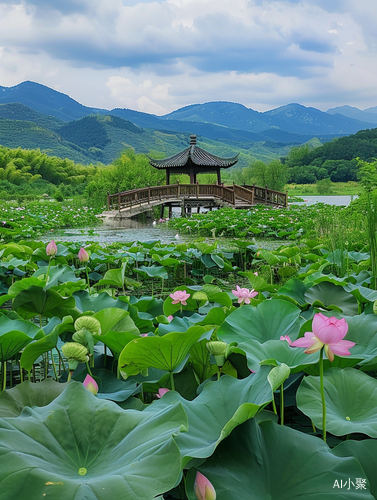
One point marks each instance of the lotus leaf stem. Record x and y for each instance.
(322, 395)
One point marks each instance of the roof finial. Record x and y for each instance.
(192, 139)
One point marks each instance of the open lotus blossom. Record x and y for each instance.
(83, 255)
(244, 294)
(203, 488)
(179, 296)
(287, 338)
(161, 392)
(90, 384)
(51, 249)
(328, 332)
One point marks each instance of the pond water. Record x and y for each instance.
(111, 232)
(144, 230)
(329, 200)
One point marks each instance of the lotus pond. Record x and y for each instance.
(205, 381)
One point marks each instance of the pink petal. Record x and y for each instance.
(306, 341)
(329, 334)
(319, 321)
(341, 348)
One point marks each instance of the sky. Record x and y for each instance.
(158, 56)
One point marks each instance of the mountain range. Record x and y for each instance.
(35, 116)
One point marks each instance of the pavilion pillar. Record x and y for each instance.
(167, 176)
(192, 181)
(218, 177)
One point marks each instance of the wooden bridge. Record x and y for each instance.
(188, 196)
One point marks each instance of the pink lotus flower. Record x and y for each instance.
(51, 249)
(287, 338)
(179, 296)
(203, 488)
(83, 255)
(170, 317)
(161, 392)
(90, 384)
(328, 332)
(244, 294)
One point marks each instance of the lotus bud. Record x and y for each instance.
(51, 249)
(88, 323)
(375, 307)
(91, 384)
(83, 255)
(218, 349)
(203, 488)
(75, 353)
(80, 337)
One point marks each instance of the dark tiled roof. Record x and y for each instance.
(198, 156)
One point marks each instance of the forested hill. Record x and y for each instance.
(335, 160)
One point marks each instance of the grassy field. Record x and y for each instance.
(335, 188)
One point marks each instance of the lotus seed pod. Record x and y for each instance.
(80, 337)
(375, 307)
(76, 352)
(88, 323)
(218, 349)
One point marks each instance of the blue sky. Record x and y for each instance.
(157, 56)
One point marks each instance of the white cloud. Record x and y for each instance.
(158, 55)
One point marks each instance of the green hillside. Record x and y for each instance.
(335, 160)
(29, 135)
(102, 138)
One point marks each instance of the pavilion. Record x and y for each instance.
(193, 161)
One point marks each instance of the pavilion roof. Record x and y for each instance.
(198, 156)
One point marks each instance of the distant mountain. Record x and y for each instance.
(213, 119)
(293, 118)
(31, 113)
(368, 116)
(45, 100)
(225, 114)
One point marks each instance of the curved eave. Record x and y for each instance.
(198, 157)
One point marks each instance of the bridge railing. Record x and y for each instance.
(267, 196)
(175, 192)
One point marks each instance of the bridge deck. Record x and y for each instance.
(187, 196)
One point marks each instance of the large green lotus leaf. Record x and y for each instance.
(115, 319)
(114, 277)
(361, 293)
(278, 351)
(330, 296)
(79, 447)
(219, 408)
(351, 401)
(294, 290)
(15, 335)
(266, 461)
(269, 320)
(33, 350)
(165, 353)
(13, 401)
(366, 453)
(48, 303)
(57, 275)
(153, 272)
(116, 341)
(149, 305)
(86, 302)
(24, 284)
